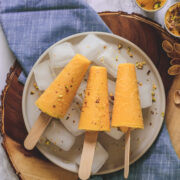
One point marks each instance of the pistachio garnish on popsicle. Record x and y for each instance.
(94, 116)
(127, 113)
(57, 98)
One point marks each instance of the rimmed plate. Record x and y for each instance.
(141, 139)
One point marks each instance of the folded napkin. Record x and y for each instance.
(34, 25)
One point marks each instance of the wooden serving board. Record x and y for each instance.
(31, 165)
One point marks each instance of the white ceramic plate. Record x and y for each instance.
(141, 139)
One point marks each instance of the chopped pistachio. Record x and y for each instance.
(129, 52)
(140, 65)
(153, 99)
(32, 92)
(157, 5)
(47, 142)
(120, 46)
(67, 90)
(80, 94)
(116, 58)
(36, 87)
(162, 114)
(102, 59)
(153, 93)
(154, 87)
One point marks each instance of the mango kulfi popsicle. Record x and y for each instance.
(57, 98)
(127, 110)
(95, 110)
(94, 116)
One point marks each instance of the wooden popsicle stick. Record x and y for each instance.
(87, 154)
(127, 153)
(36, 131)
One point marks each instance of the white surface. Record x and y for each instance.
(100, 157)
(6, 58)
(152, 122)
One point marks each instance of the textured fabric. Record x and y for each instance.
(32, 26)
(158, 163)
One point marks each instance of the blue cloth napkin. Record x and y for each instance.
(34, 25)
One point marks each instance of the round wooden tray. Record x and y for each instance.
(30, 165)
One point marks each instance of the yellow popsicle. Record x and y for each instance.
(57, 98)
(127, 110)
(95, 110)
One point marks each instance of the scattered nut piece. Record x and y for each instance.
(116, 58)
(120, 46)
(153, 99)
(129, 52)
(174, 70)
(175, 61)
(167, 46)
(140, 65)
(36, 87)
(154, 87)
(171, 55)
(177, 97)
(47, 142)
(162, 114)
(102, 59)
(148, 72)
(111, 96)
(32, 92)
(153, 93)
(177, 48)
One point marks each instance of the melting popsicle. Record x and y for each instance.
(94, 116)
(127, 112)
(57, 98)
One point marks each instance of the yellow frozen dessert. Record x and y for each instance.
(57, 98)
(127, 110)
(95, 110)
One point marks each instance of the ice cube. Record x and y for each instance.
(61, 54)
(56, 71)
(59, 136)
(91, 46)
(71, 120)
(115, 133)
(81, 90)
(43, 75)
(145, 95)
(110, 58)
(100, 157)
